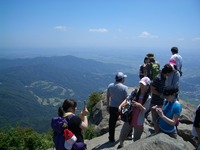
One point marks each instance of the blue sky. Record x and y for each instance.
(100, 24)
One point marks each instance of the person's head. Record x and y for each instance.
(69, 105)
(145, 84)
(144, 88)
(146, 60)
(120, 76)
(170, 94)
(152, 59)
(167, 70)
(174, 50)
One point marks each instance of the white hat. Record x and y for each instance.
(120, 75)
(145, 81)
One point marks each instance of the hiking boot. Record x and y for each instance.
(119, 146)
(111, 141)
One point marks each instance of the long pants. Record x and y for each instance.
(126, 128)
(114, 114)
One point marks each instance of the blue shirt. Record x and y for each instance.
(117, 93)
(169, 110)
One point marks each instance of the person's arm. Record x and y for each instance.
(154, 91)
(83, 116)
(136, 104)
(108, 101)
(122, 104)
(172, 121)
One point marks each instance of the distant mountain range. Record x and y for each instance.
(31, 89)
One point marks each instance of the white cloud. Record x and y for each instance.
(102, 30)
(144, 34)
(196, 39)
(147, 35)
(61, 28)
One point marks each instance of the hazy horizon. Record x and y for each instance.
(130, 57)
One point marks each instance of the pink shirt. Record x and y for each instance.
(135, 114)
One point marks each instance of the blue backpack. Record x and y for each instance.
(58, 125)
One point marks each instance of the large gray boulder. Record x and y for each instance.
(160, 141)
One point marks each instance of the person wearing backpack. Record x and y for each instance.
(155, 68)
(75, 124)
(140, 105)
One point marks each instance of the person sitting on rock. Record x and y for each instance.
(141, 103)
(169, 114)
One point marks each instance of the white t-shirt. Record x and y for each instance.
(178, 59)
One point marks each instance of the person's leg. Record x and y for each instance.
(126, 128)
(137, 133)
(112, 122)
(173, 134)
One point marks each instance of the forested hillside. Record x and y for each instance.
(32, 89)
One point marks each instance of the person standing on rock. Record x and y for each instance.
(196, 126)
(177, 59)
(143, 68)
(116, 93)
(169, 114)
(157, 88)
(141, 102)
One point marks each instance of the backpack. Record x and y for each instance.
(155, 70)
(63, 138)
(126, 112)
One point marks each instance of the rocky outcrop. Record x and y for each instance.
(160, 141)
(100, 117)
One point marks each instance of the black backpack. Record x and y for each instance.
(126, 112)
(126, 108)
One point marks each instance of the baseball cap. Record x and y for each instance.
(120, 75)
(145, 81)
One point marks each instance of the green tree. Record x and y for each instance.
(94, 98)
(90, 132)
(24, 139)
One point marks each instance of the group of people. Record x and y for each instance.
(158, 95)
